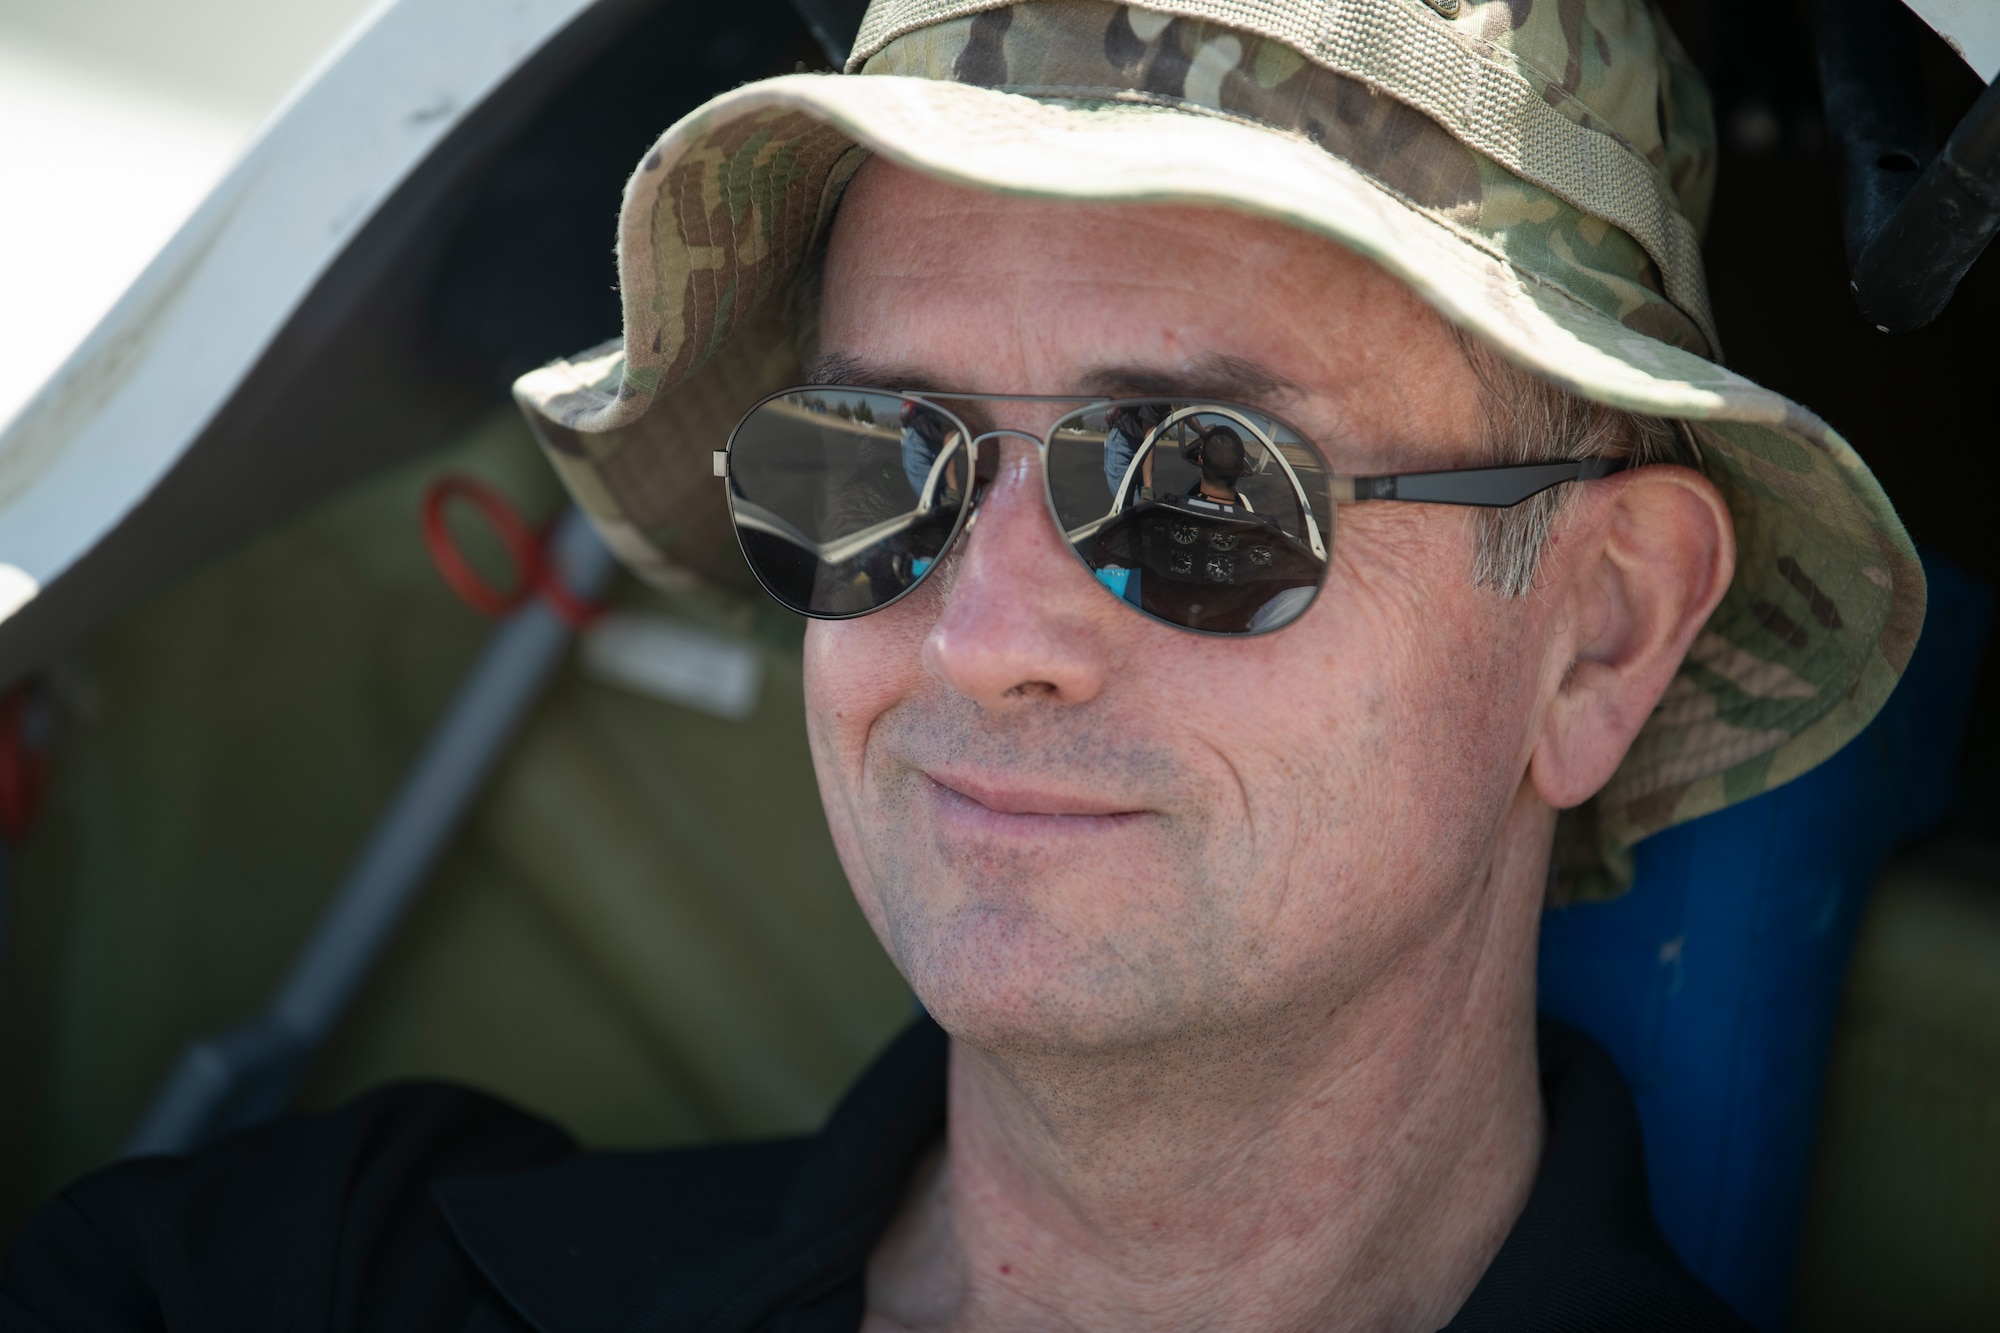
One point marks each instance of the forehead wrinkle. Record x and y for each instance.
(1217, 375)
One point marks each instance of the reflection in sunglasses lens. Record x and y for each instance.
(1210, 518)
(843, 498)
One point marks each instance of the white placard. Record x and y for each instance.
(141, 388)
(674, 661)
(1971, 26)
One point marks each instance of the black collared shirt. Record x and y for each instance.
(422, 1207)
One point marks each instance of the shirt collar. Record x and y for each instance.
(715, 1237)
(726, 1238)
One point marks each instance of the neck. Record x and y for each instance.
(1352, 1170)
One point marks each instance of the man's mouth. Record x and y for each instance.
(982, 805)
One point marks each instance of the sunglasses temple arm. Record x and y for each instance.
(1483, 487)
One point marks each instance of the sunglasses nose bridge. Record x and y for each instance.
(988, 464)
(1002, 432)
(991, 461)
(988, 470)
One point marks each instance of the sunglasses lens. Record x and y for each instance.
(1209, 518)
(844, 498)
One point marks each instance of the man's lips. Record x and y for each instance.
(1021, 808)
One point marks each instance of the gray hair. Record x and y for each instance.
(1530, 420)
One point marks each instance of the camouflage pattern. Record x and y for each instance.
(1131, 55)
(1609, 134)
(1218, 102)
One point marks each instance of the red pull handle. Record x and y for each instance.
(527, 551)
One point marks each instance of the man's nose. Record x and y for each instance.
(1020, 621)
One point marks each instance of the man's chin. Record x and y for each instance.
(1013, 981)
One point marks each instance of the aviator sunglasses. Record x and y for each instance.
(1208, 516)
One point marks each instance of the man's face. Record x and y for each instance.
(1071, 825)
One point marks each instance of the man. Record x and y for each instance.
(1219, 455)
(1127, 429)
(1225, 893)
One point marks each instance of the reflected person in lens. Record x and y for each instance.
(1219, 453)
(1128, 428)
(925, 434)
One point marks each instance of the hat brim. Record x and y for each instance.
(1812, 636)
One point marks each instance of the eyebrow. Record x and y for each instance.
(1217, 375)
(851, 372)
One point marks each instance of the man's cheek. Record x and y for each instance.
(855, 819)
(843, 696)
(1422, 732)
(837, 723)
(1464, 748)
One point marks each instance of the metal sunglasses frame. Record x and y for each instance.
(1498, 487)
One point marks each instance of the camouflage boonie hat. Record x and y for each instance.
(1537, 171)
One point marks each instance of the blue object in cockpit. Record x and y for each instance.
(1113, 578)
(1716, 980)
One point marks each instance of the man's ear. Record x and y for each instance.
(1649, 557)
